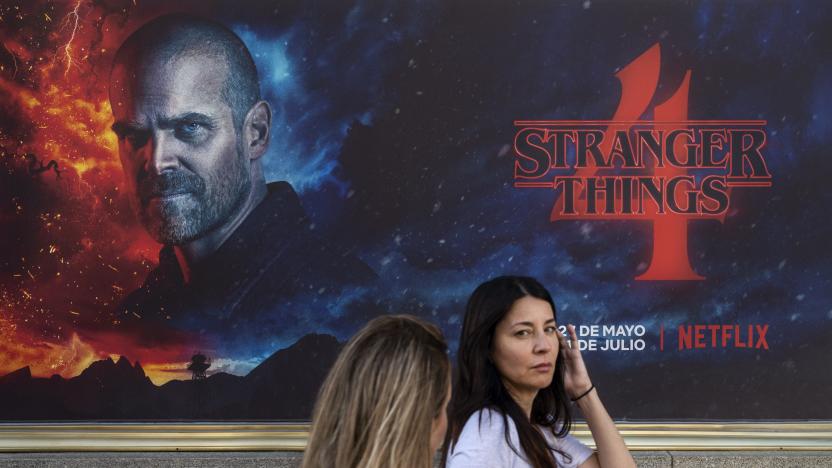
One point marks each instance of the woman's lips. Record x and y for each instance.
(543, 367)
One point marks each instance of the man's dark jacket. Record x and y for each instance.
(273, 275)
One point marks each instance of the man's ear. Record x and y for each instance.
(256, 129)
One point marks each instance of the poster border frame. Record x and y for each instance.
(292, 436)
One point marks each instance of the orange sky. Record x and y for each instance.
(79, 248)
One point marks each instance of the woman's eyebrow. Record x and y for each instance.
(530, 324)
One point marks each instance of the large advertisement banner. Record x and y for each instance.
(172, 250)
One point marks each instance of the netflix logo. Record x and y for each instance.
(704, 336)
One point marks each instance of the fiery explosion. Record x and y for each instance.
(70, 247)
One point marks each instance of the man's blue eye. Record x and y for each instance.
(189, 130)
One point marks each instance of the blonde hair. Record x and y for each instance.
(378, 403)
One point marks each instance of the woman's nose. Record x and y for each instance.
(543, 343)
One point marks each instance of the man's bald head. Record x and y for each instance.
(172, 37)
(191, 129)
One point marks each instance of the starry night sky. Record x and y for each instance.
(394, 123)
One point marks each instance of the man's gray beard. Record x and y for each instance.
(185, 219)
(178, 222)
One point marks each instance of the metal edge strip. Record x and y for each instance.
(166, 437)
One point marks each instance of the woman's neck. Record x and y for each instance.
(523, 397)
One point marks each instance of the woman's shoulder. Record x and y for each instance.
(485, 423)
(481, 442)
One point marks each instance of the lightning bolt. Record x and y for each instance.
(72, 17)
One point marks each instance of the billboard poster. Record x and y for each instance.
(659, 166)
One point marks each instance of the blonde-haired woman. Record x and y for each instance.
(384, 402)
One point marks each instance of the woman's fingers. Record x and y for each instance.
(562, 341)
(573, 337)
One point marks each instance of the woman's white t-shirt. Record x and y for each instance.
(482, 444)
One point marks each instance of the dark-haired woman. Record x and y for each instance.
(515, 377)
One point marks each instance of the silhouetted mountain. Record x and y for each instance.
(281, 387)
(286, 383)
(216, 397)
(17, 377)
(114, 390)
(108, 371)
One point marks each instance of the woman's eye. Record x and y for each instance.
(551, 330)
(522, 333)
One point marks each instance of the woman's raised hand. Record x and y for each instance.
(575, 376)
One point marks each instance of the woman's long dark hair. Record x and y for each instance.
(477, 383)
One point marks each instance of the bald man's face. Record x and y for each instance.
(181, 154)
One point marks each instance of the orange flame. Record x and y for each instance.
(82, 223)
(43, 358)
(70, 357)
